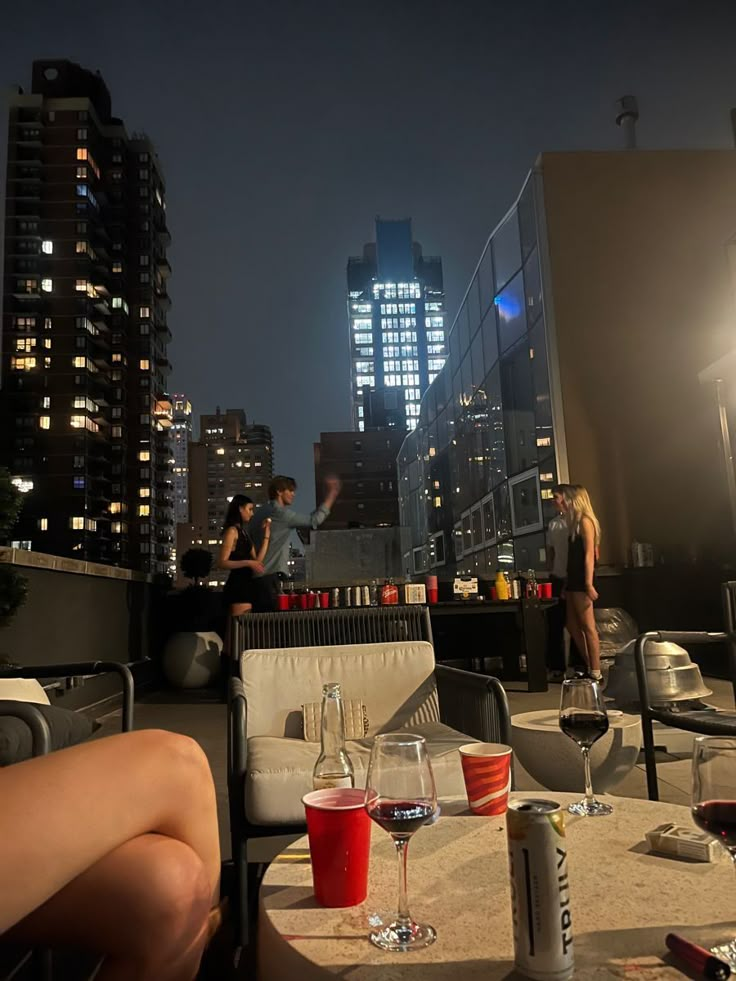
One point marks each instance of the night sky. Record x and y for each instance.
(284, 127)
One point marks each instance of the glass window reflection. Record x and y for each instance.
(519, 422)
(533, 288)
(486, 284)
(510, 304)
(506, 250)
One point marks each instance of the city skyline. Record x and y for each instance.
(281, 184)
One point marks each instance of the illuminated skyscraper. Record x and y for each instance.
(84, 414)
(396, 315)
(181, 437)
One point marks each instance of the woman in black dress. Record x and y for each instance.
(238, 554)
(580, 591)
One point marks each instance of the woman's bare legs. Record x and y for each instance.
(583, 610)
(102, 818)
(573, 627)
(144, 906)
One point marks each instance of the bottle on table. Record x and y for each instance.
(502, 586)
(333, 767)
(390, 594)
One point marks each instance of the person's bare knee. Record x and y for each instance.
(175, 897)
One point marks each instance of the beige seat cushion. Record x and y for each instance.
(23, 690)
(280, 770)
(394, 680)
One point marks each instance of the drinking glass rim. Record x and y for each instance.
(705, 740)
(571, 682)
(399, 738)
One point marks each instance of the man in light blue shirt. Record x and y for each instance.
(284, 520)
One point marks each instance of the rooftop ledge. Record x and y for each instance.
(59, 563)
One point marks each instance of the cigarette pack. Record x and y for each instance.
(415, 593)
(673, 839)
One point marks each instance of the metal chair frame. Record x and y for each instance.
(721, 723)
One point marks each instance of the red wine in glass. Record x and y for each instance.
(717, 818)
(584, 727)
(400, 817)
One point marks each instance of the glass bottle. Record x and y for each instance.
(333, 767)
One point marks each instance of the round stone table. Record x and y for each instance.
(624, 901)
(554, 760)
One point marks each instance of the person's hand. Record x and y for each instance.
(333, 485)
(591, 592)
(266, 527)
(257, 567)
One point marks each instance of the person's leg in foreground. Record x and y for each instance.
(113, 847)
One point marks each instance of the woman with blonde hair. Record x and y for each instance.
(580, 591)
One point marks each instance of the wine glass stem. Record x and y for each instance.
(589, 798)
(402, 848)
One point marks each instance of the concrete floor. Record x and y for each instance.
(202, 716)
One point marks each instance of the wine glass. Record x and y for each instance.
(714, 800)
(400, 796)
(584, 719)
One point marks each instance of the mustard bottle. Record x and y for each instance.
(502, 586)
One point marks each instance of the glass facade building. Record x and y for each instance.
(396, 315)
(476, 475)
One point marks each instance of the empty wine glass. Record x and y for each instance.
(401, 796)
(714, 801)
(584, 719)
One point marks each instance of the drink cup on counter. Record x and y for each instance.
(324, 600)
(432, 589)
(487, 773)
(494, 593)
(339, 832)
(293, 601)
(282, 601)
(545, 590)
(303, 601)
(311, 600)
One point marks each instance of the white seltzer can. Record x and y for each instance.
(540, 892)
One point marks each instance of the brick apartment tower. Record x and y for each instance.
(84, 414)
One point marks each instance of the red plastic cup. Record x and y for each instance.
(546, 588)
(303, 600)
(324, 600)
(282, 601)
(432, 589)
(312, 601)
(339, 832)
(487, 773)
(494, 593)
(293, 601)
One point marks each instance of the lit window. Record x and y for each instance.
(77, 422)
(115, 507)
(220, 451)
(78, 483)
(144, 492)
(45, 402)
(144, 455)
(544, 440)
(22, 364)
(116, 432)
(80, 285)
(144, 312)
(144, 364)
(43, 524)
(47, 246)
(144, 510)
(76, 524)
(47, 285)
(79, 362)
(44, 422)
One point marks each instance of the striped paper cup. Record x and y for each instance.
(487, 772)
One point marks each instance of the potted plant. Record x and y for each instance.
(191, 657)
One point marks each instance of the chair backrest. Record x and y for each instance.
(395, 682)
(323, 628)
